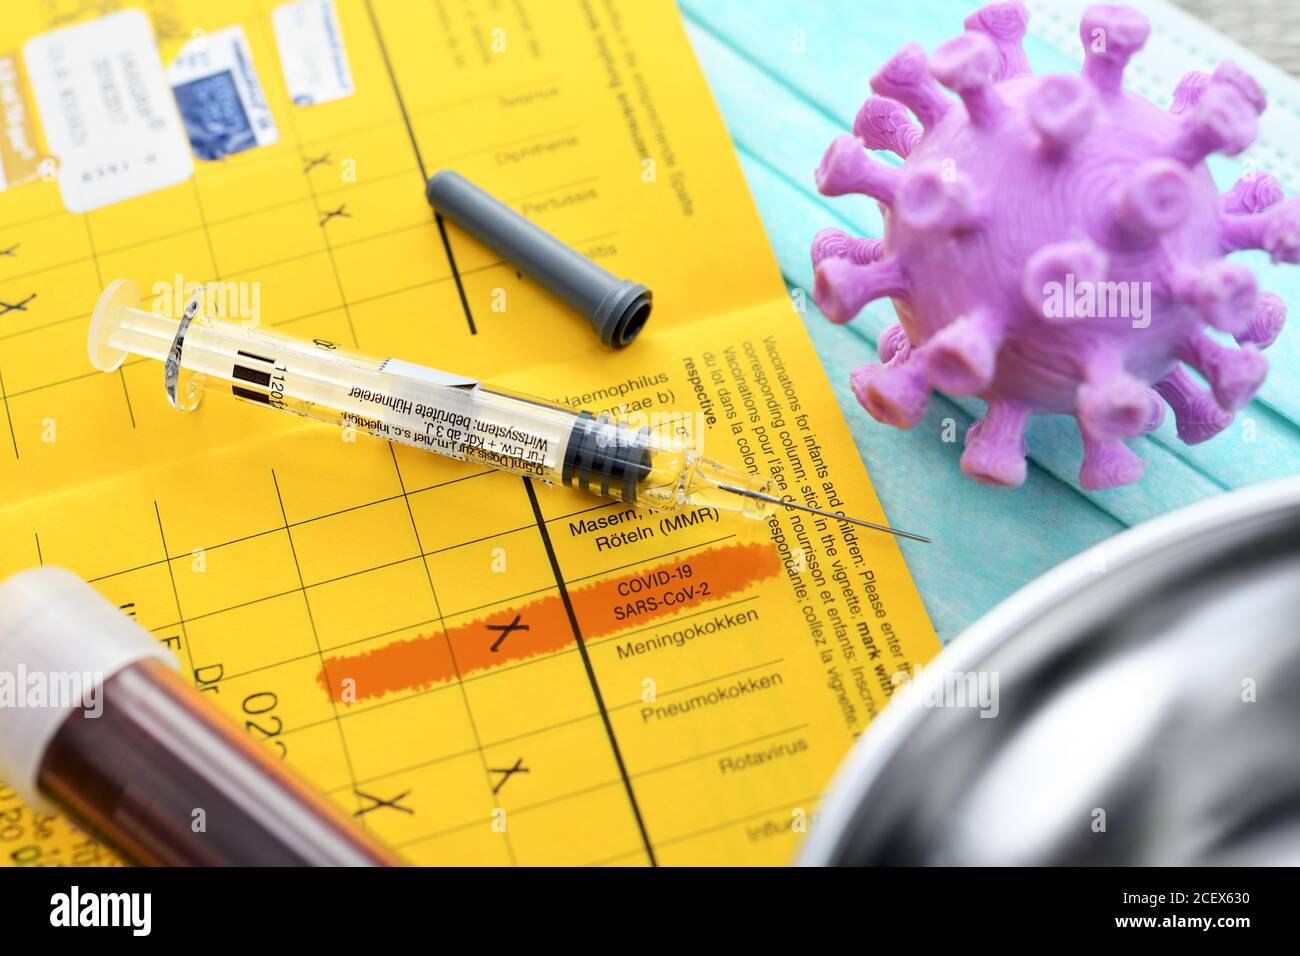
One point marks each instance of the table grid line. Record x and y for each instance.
(388, 499)
(606, 784)
(451, 654)
(419, 161)
(99, 280)
(540, 659)
(497, 263)
(13, 435)
(364, 300)
(311, 620)
(313, 194)
(811, 801)
(206, 224)
(176, 594)
(324, 233)
(589, 669)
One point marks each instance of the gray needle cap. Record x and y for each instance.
(616, 308)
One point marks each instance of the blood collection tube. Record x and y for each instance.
(101, 726)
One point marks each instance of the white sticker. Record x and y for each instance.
(312, 54)
(108, 110)
(422, 373)
(219, 95)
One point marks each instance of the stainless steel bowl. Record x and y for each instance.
(1147, 711)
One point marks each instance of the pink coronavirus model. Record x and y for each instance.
(1056, 245)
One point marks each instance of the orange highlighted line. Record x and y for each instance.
(542, 626)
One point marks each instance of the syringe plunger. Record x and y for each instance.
(414, 405)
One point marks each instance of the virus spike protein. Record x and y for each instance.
(1005, 25)
(884, 124)
(1056, 246)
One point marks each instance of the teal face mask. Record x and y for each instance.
(789, 78)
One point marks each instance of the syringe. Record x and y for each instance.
(450, 415)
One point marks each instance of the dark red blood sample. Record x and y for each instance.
(169, 781)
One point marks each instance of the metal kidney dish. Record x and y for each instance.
(1147, 711)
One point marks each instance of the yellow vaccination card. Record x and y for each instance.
(480, 669)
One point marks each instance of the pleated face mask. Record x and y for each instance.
(811, 70)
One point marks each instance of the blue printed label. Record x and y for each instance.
(220, 98)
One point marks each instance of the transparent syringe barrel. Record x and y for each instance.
(413, 405)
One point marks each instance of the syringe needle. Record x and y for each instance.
(451, 415)
(772, 499)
